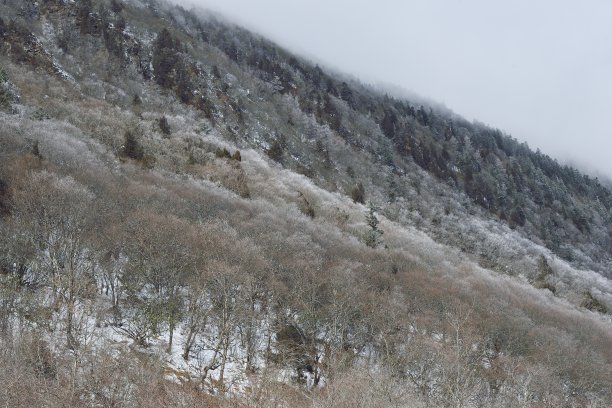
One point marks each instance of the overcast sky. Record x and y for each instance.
(540, 70)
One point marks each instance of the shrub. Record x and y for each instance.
(148, 161)
(544, 269)
(223, 153)
(5, 98)
(203, 128)
(306, 206)
(4, 197)
(40, 114)
(5, 94)
(546, 285)
(593, 304)
(3, 75)
(38, 355)
(237, 181)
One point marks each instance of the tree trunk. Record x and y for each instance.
(170, 337)
(188, 343)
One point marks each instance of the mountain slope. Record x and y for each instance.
(177, 202)
(556, 205)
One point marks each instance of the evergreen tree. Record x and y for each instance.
(36, 150)
(85, 18)
(164, 126)
(372, 238)
(3, 74)
(116, 6)
(131, 147)
(276, 149)
(165, 58)
(358, 194)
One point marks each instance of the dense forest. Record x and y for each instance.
(191, 215)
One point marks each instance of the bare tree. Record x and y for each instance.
(160, 257)
(54, 216)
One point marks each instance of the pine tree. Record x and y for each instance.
(358, 194)
(116, 6)
(131, 147)
(164, 126)
(372, 238)
(166, 59)
(275, 151)
(36, 150)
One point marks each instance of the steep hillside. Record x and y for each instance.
(565, 210)
(315, 123)
(193, 216)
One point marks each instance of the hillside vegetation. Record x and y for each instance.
(193, 216)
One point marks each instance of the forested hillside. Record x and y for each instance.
(568, 211)
(191, 215)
